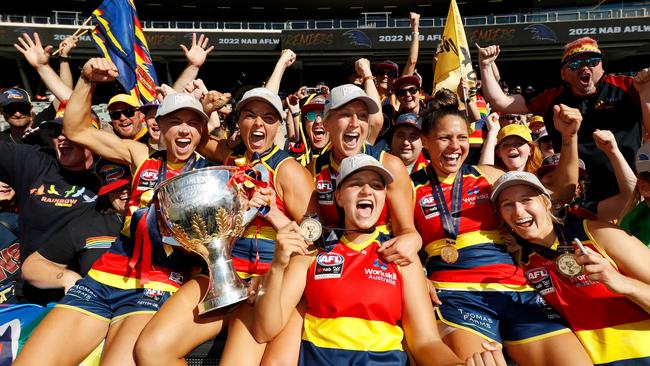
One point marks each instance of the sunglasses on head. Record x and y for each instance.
(128, 113)
(590, 62)
(390, 73)
(402, 92)
(12, 108)
(312, 115)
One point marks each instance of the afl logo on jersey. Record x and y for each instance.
(149, 175)
(428, 206)
(324, 186)
(427, 201)
(330, 259)
(328, 265)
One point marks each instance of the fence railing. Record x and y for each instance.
(73, 18)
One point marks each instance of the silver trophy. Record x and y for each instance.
(205, 212)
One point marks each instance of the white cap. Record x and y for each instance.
(514, 178)
(642, 163)
(176, 101)
(262, 95)
(355, 163)
(344, 94)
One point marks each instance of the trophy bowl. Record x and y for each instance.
(205, 212)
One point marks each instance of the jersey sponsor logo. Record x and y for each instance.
(153, 294)
(428, 206)
(176, 277)
(148, 178)
(328, 265)
(541, 280)
(380, 272)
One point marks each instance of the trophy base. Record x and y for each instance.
(231, 298)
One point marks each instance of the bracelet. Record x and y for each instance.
(295, 114)
(369, 77)
(64, 58)
(415, 33)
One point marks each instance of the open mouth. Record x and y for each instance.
(524, 222)
(584, 77)
(318, 132)
(364, 208)
(513, 155)
(257, 138)
(182, 145)
(451, 158)
(351, 139)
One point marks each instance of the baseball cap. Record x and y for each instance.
(408, 79)
(387, 64)
(359, 162)
(406, 119)
(514, 178)
(514, 129)
(14, 95)
(642, 162)
(112, 176)
(262, 95)
(315, 103)
(149, 105)
(177, 101)
(129, 99)
(552, 161)
(534, 120)
(344, 94)
(581, 46)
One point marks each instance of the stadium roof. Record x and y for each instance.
(282, 10)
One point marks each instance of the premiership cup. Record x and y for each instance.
(205, 212)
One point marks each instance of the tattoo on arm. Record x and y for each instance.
(58, 277)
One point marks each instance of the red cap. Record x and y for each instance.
(113, 176)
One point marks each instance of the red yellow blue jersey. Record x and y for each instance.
(353, 307)
(160, 266)
(147, 176)
(483, 262)
(612, 329)
(420, 163)
(325, 170)
(253, 251)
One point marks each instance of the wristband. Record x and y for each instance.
(64, 58)
(369, 77)
(295, 114)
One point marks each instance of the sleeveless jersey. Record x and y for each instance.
(147, 176)
(253, 251)
(325, 172)
(483, 262)
(612, 329)
(354, 305)
(420, 163)
(134, 263)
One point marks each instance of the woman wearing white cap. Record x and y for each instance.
(593, 273)
(355, 302)
(484, 294)
(170, 336)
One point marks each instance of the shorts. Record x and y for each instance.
(511, 317)
(110, 303)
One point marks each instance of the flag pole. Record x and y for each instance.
(78, 33)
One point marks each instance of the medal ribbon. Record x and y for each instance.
(450, 220)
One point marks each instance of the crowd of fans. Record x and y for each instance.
(452, 226)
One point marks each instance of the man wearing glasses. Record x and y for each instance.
(607, 102)
(126, 118)
(409, 93)
(16, 109)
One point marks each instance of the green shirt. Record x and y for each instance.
(637, 222)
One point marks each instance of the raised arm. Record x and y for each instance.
(612, 207)
(195, 56)
(38, 57)
(499, 101)
(567, 121)
(490, 142)
(375, 120)
(77, 117)
(287, 58)
(64, 60)
(412, 60)
(642, 85)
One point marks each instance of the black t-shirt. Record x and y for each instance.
(82, 241)
(48, 197)
(615, 107)
(46, 114)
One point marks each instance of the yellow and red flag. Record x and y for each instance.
(119, 37)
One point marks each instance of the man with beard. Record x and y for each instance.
(16, 107)
(50, 193)
(607, 102)
(127, 119)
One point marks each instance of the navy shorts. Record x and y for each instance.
(510, 316)
(110, 303)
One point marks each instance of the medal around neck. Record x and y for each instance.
(567, 265)
(311, 229)
(449, 254)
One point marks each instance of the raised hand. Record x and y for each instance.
(99, 70)
(33, 50)
(288, 242)
(198, 51)
(567, 120)
(642, 84)
(287, 58)
(493, 123)
(487, 55)
(362, 67)
(605, 141)
(414, 19)
(67, 45)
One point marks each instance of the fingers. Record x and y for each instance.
(193, 39)
(184, 48)
(209, 49)
(48, 49)
(37, 40)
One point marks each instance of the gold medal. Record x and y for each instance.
(311, 229)
(567, 265)
(449, 253)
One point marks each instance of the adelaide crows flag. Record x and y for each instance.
(118, 36)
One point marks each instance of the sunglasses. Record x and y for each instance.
(402, 92)
(312, 115)
(390, 73)
(590, 62)
(512, 117)
(12, 108)
(128, 113)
